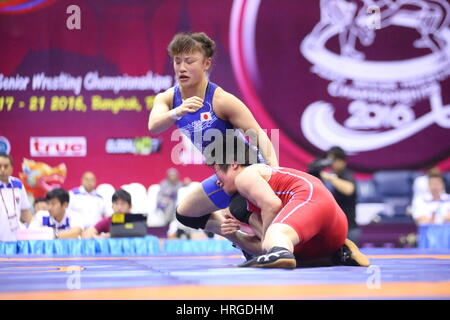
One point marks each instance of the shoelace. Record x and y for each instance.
(345, 255)
(266, 257)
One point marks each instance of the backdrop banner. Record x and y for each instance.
(78, 80)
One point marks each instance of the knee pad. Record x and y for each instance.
(238, 208)
(193, 222)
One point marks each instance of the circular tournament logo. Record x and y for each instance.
(5, 146)
(370, 76)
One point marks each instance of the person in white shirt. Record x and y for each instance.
(65, 223)
(432, 207)
(14, 204)
(40, 204)
(87, 202)
(420, 184)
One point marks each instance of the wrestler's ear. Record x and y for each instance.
(234, 165)
(207, 64)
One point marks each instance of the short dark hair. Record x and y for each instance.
(242, 153)
(121, 194)
(188, 42)
(337, 153)
(60, 194)
(7, 156)
(40, 200)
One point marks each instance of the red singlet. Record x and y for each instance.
(311, 210)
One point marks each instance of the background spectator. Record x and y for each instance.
(14, 204)
(64, 222)
(432, 207)
(421, 185)
(121, 203)
(87, 202)
(167, 195)
(40, 204)
(342, 185)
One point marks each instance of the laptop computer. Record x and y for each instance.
(128, 225)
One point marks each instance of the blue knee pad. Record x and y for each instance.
(215, 193)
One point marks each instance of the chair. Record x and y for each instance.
(395, 188)
(154, 218)
(369, 202)
(139, 197)
(367, 192)
(446, 176)
(106, 190)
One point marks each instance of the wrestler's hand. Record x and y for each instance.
(189, 105)
(230, 225)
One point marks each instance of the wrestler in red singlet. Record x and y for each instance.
(311, 210)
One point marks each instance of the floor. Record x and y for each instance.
(394, 274)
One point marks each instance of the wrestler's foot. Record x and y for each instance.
(349, 255)
(277, 257)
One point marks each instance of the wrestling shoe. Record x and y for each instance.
(277, 257)
(349, 255)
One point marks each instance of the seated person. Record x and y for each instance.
(421, 185)
(40, 204)
(432, 207)
(65, 223)
(121, 203)
(167, 196)
(87, 202)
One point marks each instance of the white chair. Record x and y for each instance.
(154, 218)
(176, 225)
(106, 190)
(139, 198)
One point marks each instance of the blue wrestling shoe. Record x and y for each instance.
(277, 257)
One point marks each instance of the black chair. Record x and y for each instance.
(367, 192)
(395, 188)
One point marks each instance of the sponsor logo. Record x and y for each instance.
(5, 146)
(137, 146)
(58, 146)
(378, 100)
(371, 76)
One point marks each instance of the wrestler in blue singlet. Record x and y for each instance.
(192, 124)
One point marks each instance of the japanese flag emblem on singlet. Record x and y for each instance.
(205, 116)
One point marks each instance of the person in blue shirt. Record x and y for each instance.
(196, 106)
